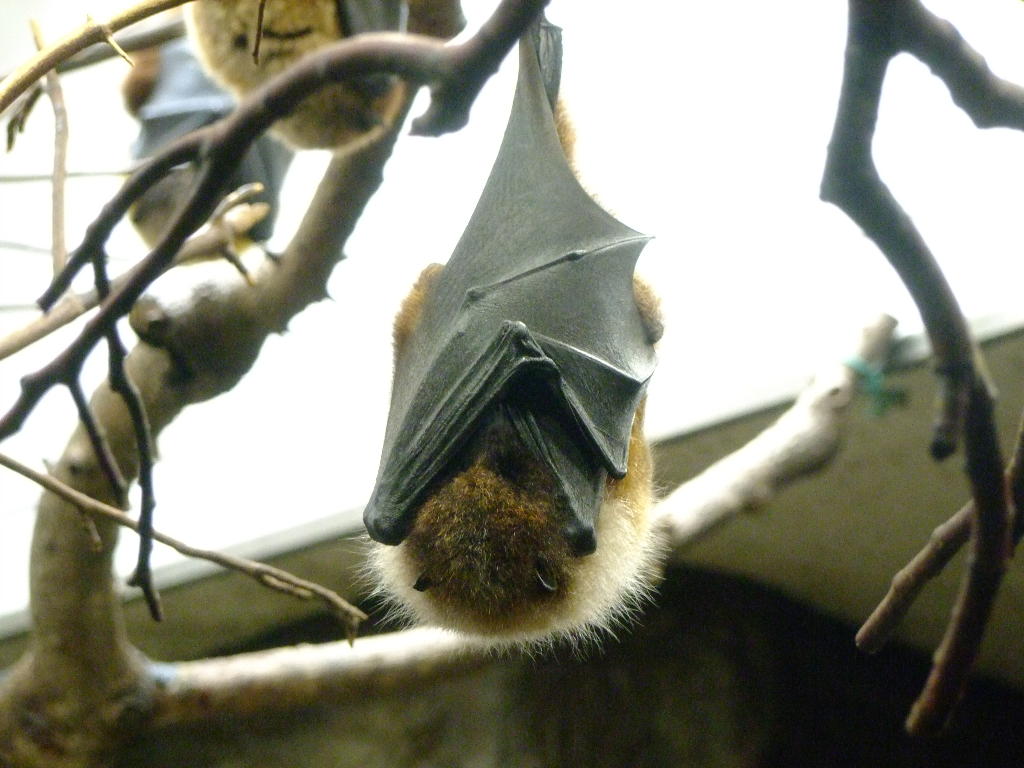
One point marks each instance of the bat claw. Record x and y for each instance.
(545, 578)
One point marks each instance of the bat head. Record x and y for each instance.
(225, 32)
(487, 556)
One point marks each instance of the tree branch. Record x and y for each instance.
(90, 33)
(89, 693)
(801, 441)
(288, 679)
(877, 32)
(60, 155)
(989, 101)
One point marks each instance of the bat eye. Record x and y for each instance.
(240, 41)
(423, 583)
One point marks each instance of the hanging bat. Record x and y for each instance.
(514, 485)
(225, 33)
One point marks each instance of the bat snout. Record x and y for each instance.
(581, 537)
(384, 525)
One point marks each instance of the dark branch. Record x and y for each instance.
(878, 32)
(104, 456)
(122, 384)
(851, 182)
(989, 101)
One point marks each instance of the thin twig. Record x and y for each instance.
(28, 248)
(104, 456)
(108, 37)
(60, 156)
(162, 31)
(258, 37)
(123, 385)
(34, 178)
(267, 575)
(986, 564)
(90, 33)
(944, 542)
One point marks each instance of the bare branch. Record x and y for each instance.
(267, 575)
(29, 178)
(989, 101)
(123, 385)
(90, 33)
(21, 110)
(60, 155)
(877, 32)
(104, 456)
(802, 440)
(108, 37)
(945, 541)
(288, 679)
(851, 182)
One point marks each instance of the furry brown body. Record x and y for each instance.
(225, 33)
(486, 554)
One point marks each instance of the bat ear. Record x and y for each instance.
(649, 304)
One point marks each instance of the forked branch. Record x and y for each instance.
(878, 32)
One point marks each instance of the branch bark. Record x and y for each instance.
(288, 679)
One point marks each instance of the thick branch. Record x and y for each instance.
(804, 438)
(287, 679)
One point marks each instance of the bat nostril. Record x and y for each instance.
(384, 526)
(582, 539)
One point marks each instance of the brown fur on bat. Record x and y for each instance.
(225, 34)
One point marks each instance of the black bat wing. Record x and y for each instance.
(533, 318)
